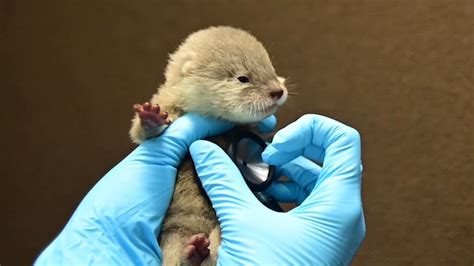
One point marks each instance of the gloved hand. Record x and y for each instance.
(326, 229)
(119, 219)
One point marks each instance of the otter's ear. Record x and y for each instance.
(188, 64)
(187, 67)
(281, 79)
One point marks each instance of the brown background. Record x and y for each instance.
(401, 72)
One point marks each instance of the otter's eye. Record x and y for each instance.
(243, 79)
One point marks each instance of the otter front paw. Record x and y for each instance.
(195, 250)
(150, 116)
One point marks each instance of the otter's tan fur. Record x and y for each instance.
(201, 77)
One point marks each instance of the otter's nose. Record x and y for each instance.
(276, 94)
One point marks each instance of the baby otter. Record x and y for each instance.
(221, 72)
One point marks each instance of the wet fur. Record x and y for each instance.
(201, 77)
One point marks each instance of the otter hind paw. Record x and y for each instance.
(196, 250)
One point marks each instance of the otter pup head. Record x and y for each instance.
(226, 73)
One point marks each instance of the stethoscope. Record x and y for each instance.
(246, 151)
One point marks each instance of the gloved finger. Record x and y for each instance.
(293, 140)
(302, 171)
(191, 127)
(170, 148)
(267, 125)
(309, 136)
(287, 192)
(221, 179)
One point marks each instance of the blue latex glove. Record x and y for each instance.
(326, 229)
(119, 219)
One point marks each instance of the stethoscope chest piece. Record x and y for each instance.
(246, 152)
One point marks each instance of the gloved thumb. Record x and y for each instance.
(221, 180)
